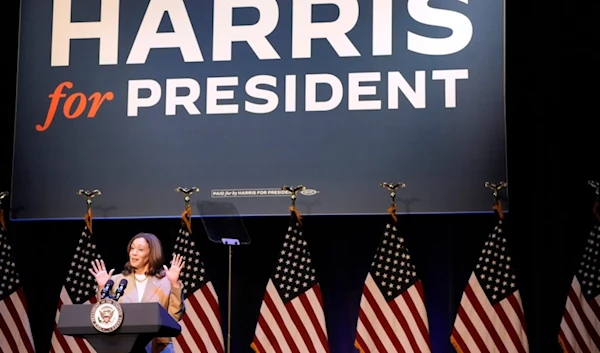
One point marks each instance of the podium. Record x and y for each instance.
(141, 323)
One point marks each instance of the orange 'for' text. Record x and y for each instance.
(75, 104)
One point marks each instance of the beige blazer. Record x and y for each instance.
(157, 290)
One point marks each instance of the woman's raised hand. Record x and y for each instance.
(172, 272)
(99, 271)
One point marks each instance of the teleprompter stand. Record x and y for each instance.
(141, 323)
(225, 226)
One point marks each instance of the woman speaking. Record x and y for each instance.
(154, 282)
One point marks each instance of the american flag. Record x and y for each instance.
(580, 324)
(490, 317)
(201, 325)
(291, 317)
(79, 288)
(15, 331)
(392, 316)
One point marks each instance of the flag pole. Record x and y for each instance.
(294, 191)
(392, 278)
(493, 289)
(392, 187)
(187, 211)
(3, 195)
(187, 192)
(292, 285)
(89, 195)
(496, 193)
(596, 185)
(186, 216)
(573, 336)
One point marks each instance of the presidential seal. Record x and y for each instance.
(106, 315)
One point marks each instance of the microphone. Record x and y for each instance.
(106, 289)
(120, 289)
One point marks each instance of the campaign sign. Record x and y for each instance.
(136, 98)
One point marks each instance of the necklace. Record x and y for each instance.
(140, 280)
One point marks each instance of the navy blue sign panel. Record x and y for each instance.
(239, 98)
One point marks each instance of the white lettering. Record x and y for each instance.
(450, 77)
(213, 95)
(304, 30)
(337, 92)
(382, 27)
(63, 30)
(461, 26)
(290, 93)
(355, 90)
(134, 101)
(262, 94)
(225, 33)
(253, 91)
(416, 96)
(182, 37)
(172, 100)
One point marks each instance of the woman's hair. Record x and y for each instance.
(155, 257)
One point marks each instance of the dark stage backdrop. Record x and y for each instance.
(444, 249)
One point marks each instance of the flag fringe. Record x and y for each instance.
(297, 213)
(357, 346)
(186, 217)
(455, 344)
(2, 222)
(88, 220)
(498, 208)
(562, 345)
(392, 212)
(254, 348)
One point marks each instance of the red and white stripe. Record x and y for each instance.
(398, 326)
(295, 327)
(483, 327)
(68, 344)
(580, 327)
(201, 325)
(15, 331)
